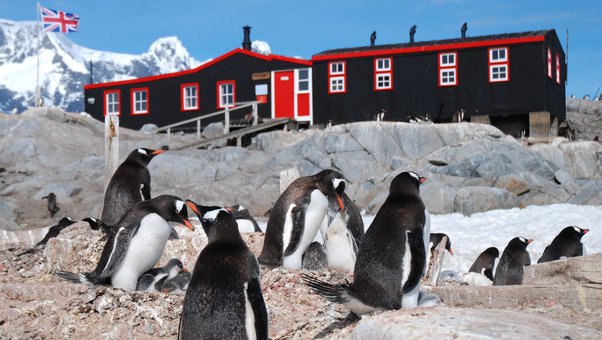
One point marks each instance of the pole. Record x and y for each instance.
(111, 146)
(37, 95)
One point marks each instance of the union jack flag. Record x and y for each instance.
(59, 21)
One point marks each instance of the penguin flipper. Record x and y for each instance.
(298, 217)
(114, 251)
(259, 310)
(418, 260)
(332, 293)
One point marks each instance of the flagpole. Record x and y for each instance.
(37, 100)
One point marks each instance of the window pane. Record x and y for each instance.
(303, 74)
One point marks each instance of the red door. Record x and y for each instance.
(284, 96)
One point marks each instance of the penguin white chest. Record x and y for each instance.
(314, 215)
(143, 253)
(249, 316)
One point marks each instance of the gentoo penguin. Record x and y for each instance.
(566, 244)
(435, 239)
(512, 263)
(223, 299)
(179, 283)
(130, 184)
(52, 205)
(315, 257)
(343, 235)
(97, 224)
(485, 262)
(246, 222)
(297, 217)
(136, 243)
(392, 256)
(155, 278)
(52, 232)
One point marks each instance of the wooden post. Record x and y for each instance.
(287, 177)
(227, 120)
(539, 125)
(198, 129)
(255, 114)
(168, 135)
(111, 146)
(481, 119)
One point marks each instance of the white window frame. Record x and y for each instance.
(383, 81)
(223, 94)
(112, 103)
(383, 67)
(447, 63)
(139, 101)
(557, 68)
(190, 101)
(549, 63)
(493, 72)
(337, 84)
(336, 68)
(493, 59)
(448, 76)
(303, 80)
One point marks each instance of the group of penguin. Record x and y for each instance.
(510, 268)
(223, 296)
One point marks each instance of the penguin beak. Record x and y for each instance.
(188, 224)
(340, 200)
(529, 241)
(193, 207)
(157, 152)
(229, 209)
(585, 231)
(422, 180)
(451, 251)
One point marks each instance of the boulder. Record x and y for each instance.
(470, 200)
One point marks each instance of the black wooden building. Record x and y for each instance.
(515, 81)
(283, 84)
(511, 80)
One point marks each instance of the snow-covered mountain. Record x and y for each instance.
(65, 66)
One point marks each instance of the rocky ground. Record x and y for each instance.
(36, 304)
(470, 167)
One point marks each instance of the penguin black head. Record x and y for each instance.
(435, 239)
(405, 182)
(171, 208)
(144, 155)
(217, 222)
(174, 264)
(332, 182)
(493, 251)
(520, 242)
(573, 231)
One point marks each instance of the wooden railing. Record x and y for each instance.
(225, 112)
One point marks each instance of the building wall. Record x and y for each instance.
(164, 94)
(416, 90)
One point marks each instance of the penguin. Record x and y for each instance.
(298, 215)
(129, 184)
(97, 224)
(136, 243)
(246, 222)
(52, 205)
(485, 262)
(179, 283)
(52, 232)
(315, 257)
(392, 256)
(343, 235)
(155, 278)
(435, 239)
(512, 264)
(223, 299)
(566, 244)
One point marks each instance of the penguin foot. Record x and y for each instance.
(428, 300)
(353, 317)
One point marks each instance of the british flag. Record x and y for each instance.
(59, 21)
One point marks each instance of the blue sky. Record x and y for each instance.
(303, 28)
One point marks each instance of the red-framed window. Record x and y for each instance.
(557, 68)
(139, 101)
(189, 97)
(499, 64)
(549, 63)
(337, 77)
(383, 74)
(111, 103)
(448, 68)
(226, 93)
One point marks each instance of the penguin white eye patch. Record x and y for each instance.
(415, 175)
(179, 206)
(210, 216)
(337, 181)
(142, 151)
